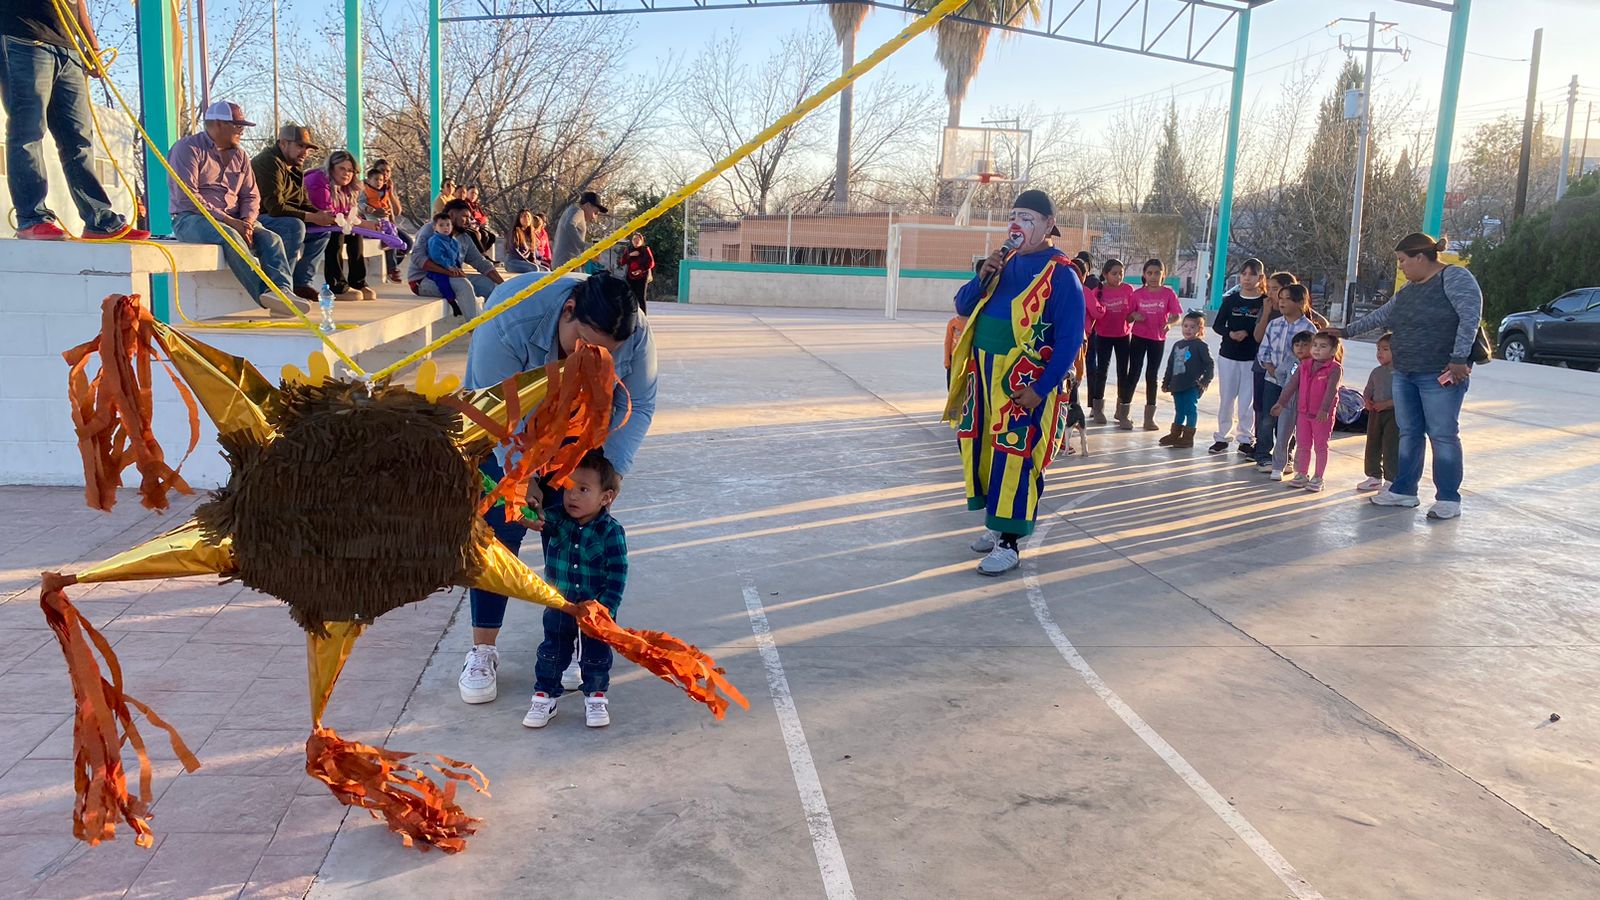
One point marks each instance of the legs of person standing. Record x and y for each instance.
(1390, 439)
(1425, 408)
(1236, 393)
(1378, 462)
(639, 288)
(1266, 422)
(1146, 354)
(1111, 355)
(1281, 428)
(479, 681)
(1302, 449)
(1187, 407)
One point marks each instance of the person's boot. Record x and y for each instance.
(1098, 412)
(1185, 438)
(1171, 435)
(1150, 418)
(1121, 418)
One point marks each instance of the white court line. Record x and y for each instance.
(1253, 839)
(824, 841)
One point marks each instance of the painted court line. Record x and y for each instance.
(1226, 812)
(824, 841)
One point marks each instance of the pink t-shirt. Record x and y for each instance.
(1116, 303)
(1156, 304)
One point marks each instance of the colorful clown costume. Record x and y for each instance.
(1024, 330)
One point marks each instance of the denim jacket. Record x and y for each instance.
(525, 338)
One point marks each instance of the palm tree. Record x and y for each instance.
(960, 44)
(846, 19)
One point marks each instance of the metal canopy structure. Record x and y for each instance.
(1184, 31)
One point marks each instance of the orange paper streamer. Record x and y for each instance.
(112, 412)
(674, 661)
(573, 419)
(97, 739)
(378, 780)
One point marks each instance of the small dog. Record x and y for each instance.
(1075, 423)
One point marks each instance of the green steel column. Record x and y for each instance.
(160, 104)
(1230, 164)
(1444, 134)
(435, 139)
(352, 81)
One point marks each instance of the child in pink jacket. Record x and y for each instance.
(1314, 391)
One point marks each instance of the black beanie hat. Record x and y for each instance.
(1036, 200)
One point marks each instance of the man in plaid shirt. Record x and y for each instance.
(585, 558)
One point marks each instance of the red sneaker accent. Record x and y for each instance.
(127, 233)
(44, 231)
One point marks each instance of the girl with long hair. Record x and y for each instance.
(1155, 310)
(1236, 357)
(1109, 305)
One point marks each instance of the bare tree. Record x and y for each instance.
(724, 103)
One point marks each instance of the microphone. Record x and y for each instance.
(1012, 242)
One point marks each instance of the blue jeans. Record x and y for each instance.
(1266, 422)
(303, 251)
(1188, 407)
(555, 654)
(1423, 406)
(489, 608)
(194, 229)
(42, 84)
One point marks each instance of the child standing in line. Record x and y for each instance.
(1283, 423)
(446, 254)
(1274, 355)
(1383, 435)
(1108, 335)
(585, 558)
(1313, 394)
(1155, 310)
(1189, 372)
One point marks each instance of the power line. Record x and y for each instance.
(1435, 43)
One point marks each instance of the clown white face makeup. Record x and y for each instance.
(1035, 228)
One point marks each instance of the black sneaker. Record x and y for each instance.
(1218, 447)
(1247, 450)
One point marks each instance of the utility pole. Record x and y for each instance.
(205, 60)
(1527, 130)
(1583, 155)
(1364, 99)
(1566, 138)
(274, 67)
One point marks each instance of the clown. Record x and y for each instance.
(1025, 312)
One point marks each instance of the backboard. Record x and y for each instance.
(987, 155)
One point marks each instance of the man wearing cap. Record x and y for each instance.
(41, 73)
(216, 170)
(287, 210)
(469, 289)
(1025, 312)
(572, 230)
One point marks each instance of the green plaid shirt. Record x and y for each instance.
(585, 562)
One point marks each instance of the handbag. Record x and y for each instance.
(1482, 349)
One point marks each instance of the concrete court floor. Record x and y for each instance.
(1339, 700)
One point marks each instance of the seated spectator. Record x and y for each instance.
(572, 231)
(447, 192)
(285, 207)
(213, 166)
(468, 288)
(481, 232)
(334, 190)
(529, 250)
(380, 202)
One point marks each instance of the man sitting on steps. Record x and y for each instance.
(470, 290)
(286, 209)
(216, 169)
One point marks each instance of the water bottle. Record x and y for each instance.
(325, 301)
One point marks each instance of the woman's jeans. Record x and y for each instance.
(44, 85)
(1424, 407)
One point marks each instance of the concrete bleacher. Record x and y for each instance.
(50, 299)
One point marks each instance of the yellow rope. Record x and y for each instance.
(932, 18)
(80, 43)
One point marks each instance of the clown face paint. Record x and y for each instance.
(1033, 226)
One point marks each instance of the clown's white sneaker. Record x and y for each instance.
(1000, 560)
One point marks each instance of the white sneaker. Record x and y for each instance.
(1276, 475)
(1314, 485)
(595, 714)
(1372, 484)
(572, 678)
(1389, 498)
(1445, 509)
(540, 711)
(479, 681)
(1000, 560)
(986, 541)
